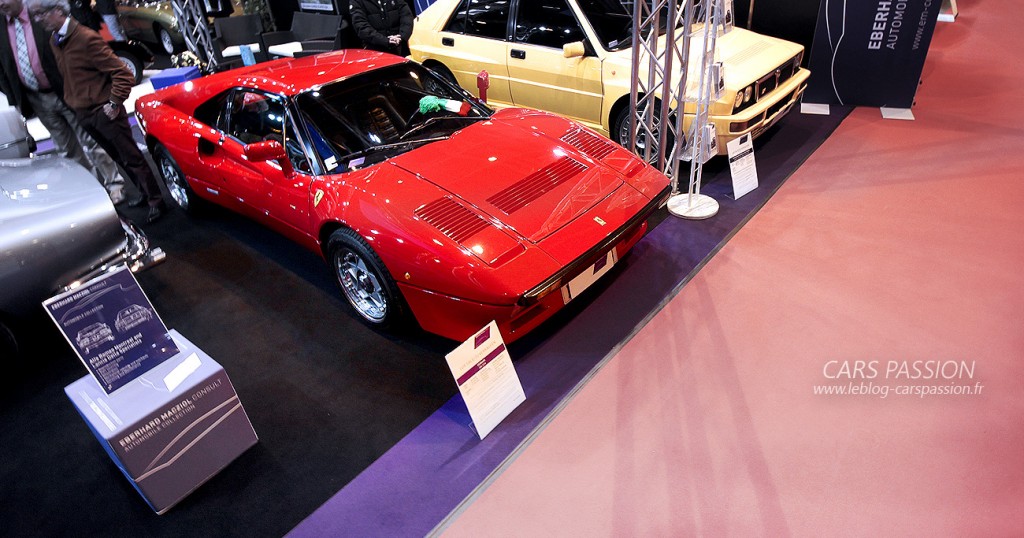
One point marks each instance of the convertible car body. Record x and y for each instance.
(423, 200)
(58, 229)
(574, 58)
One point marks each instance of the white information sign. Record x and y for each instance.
(742, 166)
(486, 378)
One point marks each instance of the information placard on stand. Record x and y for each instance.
(742, 165)
(486, 378)
(113, 328)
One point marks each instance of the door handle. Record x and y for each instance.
(518, 54)
(448, 41)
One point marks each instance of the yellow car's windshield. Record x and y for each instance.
(610, 21)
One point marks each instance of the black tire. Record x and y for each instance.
(174, 180)
(166, 41)
(365, 282)
(133, 63)
(620, 134)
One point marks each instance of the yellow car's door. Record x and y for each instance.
(540, 75)
(475, 39)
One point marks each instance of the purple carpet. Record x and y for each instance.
(416, 485)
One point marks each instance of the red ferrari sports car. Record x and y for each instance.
(424, 201)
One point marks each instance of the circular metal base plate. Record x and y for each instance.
(695, 207)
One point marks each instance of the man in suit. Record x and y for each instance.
(96, 84)
(38, 90)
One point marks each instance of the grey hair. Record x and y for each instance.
(40, 5)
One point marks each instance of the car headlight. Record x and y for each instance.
(743, 98)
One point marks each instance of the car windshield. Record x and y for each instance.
(610, 21)
(377, 115)
(613, 22)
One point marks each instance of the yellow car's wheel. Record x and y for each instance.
(620, 134)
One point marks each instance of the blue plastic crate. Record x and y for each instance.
(170, 77)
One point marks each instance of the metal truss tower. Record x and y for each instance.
(195, 29)
(669, 36)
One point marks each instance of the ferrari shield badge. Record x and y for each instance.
(317, 197)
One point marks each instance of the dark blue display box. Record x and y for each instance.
(175, 75)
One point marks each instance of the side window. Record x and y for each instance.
(481, 18)
(547, 23)
(256, 117)
(211, 112)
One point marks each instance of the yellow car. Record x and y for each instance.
(573, 57)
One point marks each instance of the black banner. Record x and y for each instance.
(870, 52)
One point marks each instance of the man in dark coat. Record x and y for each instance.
(43, 96)
(383, 25)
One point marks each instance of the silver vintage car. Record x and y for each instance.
(58, 229)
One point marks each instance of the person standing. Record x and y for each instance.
(382, 25)
(96, 83)
(108, 11)
(32, 83)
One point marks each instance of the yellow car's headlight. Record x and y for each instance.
(742, 98)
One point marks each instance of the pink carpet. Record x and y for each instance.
(896, 242)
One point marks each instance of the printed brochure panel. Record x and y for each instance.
(113, 328)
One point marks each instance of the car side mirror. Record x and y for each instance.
(269, 150)
(576, 49)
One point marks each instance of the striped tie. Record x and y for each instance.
(24, 64)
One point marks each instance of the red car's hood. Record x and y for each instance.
(534, 184)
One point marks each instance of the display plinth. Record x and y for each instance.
(692, 206)
(171, 429)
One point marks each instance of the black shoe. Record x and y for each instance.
(155, 213)
(138, 201)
